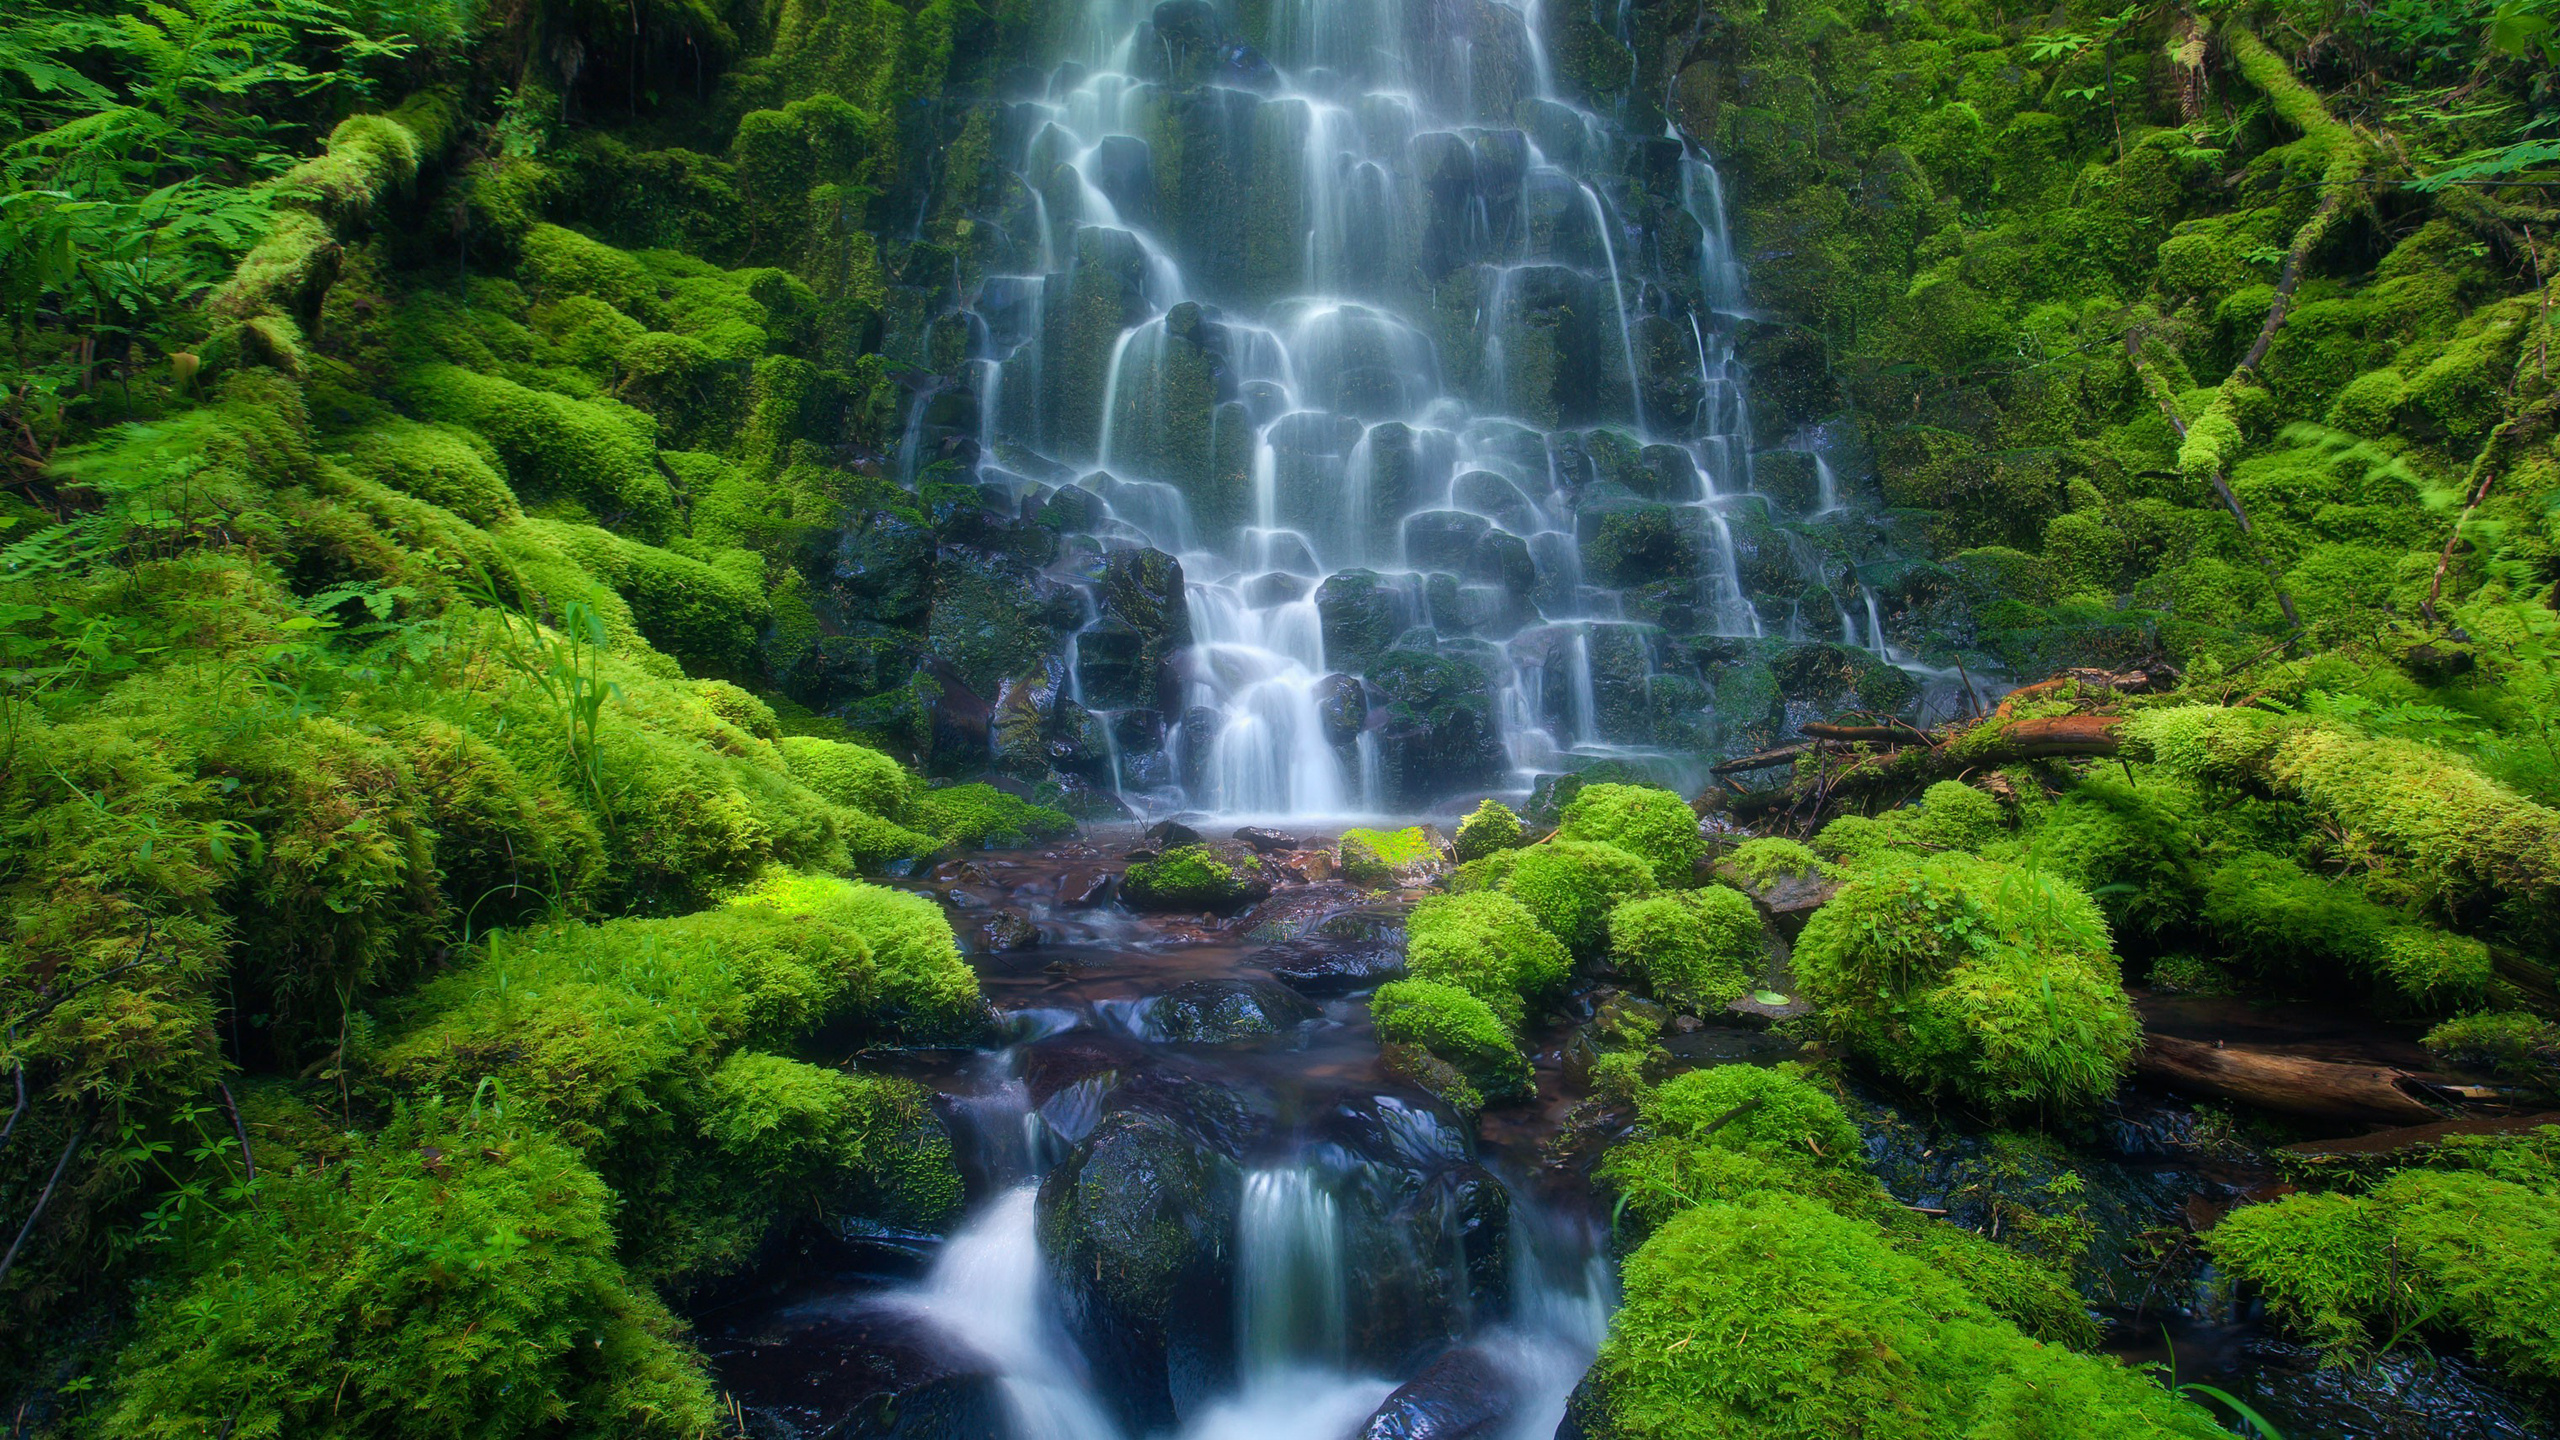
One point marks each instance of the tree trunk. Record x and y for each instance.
(2286, 1084)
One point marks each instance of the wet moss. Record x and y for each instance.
(1653, 824)
(1459, 1028)
(1696, 950)
(1488, 944)
(1187, 877)
(1385, 857)
(1571, 886)
(1489, 827)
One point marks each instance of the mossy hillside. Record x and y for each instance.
(1972, 978)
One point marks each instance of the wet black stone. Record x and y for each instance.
(1343, 707)
(876, 1374)
(1213, 1012)
(1463, 1395)
(1266, 841)
(1322, 968)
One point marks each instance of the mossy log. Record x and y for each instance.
(1921, 760)
(2286, 1084)
(2403, 1144)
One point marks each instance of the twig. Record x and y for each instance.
(248, 1162)
(45, 1200)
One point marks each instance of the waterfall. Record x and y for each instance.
(1314, 287)
(988, 1290)
(1289, 1280)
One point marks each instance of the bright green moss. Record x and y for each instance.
(2517, 1046)
(853, 775)
(867, 1141)
(565, 262)
(1696, 950)
(1385, 857)
(924, 989)
(1571, 885)
(440, 464)
(1187, 877)
(1487, 872)
(2298, 928)
(1489, 827)
(2458, 1252)
(975, 815)
(1970, 977)
(1488, 944)
(1768, 859)
(320, 1310)
(2132, 846)
(1845, 1337)
(1657, 826)
(599, 454)
(1458, 1027)
(1856, 840)
(703, 615)
(1955, 816)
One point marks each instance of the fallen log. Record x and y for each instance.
(1989, 745)
(2285, 1084)
(1761, 760)
(1868, 734)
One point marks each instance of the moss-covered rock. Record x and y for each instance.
(1654, 824)
(1974, 978)
(1488, 944)
(1389, 857)
(1489, 827)
(1694, 949)
(1572, 885)
(1222, 878)
(1458, 1027)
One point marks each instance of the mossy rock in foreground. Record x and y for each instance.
(1220, 876)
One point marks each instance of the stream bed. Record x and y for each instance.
(1200, 1207)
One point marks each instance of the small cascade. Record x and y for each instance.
(1290, 1308)
(988, 1290)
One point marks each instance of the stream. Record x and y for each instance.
(1338, 1255)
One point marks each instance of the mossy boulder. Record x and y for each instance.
(1390, 857)
(1221, 877)
(1457, 1027)
(1489, 827)
(1488, 944)
(1973, 978)
(1572, 885)
(1653, 824)
(1694, 949)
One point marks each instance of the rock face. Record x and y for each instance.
(1209, 1012)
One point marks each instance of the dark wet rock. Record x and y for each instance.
(1788, 478)
(1442, 539)
(1463, 1395)
(1342, 704)
(1785, 901)
(1321, 968)
(877, 1374)
(1211, 1012)
(1200, 726)
(1440, 734)
(1080, 889)
(1275, 588)
(994, 617)
(1414, 1203)
(1266, 841)
(1004, 930)
(1165, 834)
(1144, 619)
(1138, 1223)
(1831, 678)
(1295, 913)
(1359, 614)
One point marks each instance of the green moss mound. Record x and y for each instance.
(1489, 945)
(1845, 1335)
(1194, 877)
(2459, 1252)
(1768, 859)
(975, 815)
(1655, 825)
(1571, 886)
(1456, 1026)
(1968, 977)
(1491, 826)
(455, 1274)
(1696, 950)
(1386, 857)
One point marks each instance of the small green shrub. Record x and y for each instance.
(1458, 1027)
(1489, 827)
(1657, 826)
(1571, 885)
(1768, 859)
(1488, 944)
(2515, 1045)
(1697, 950)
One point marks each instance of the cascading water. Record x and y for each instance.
(1423, 372)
